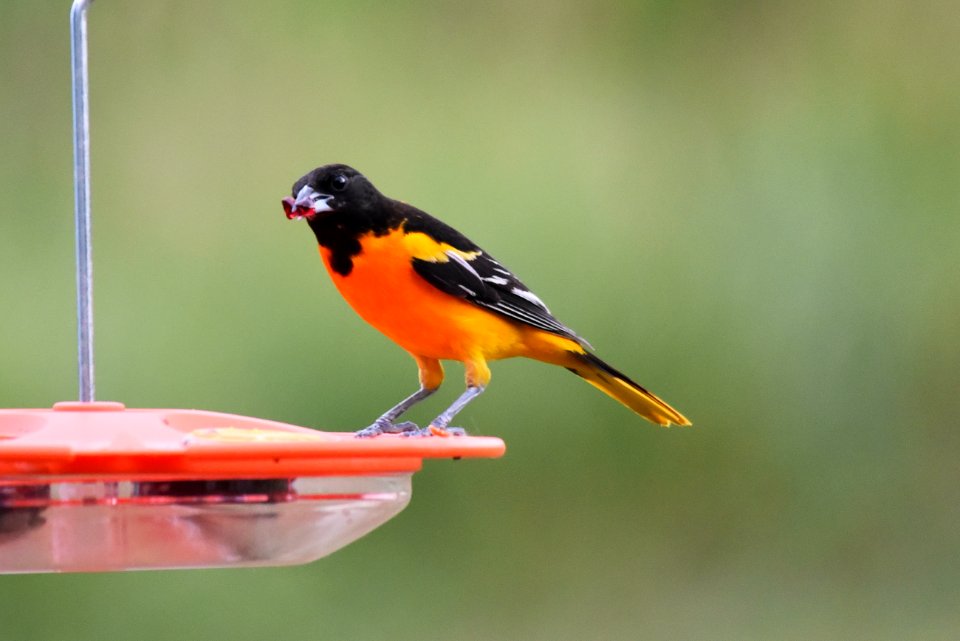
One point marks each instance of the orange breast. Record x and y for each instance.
(385, 291)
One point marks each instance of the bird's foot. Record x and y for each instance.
(432, 430)
(386, 427)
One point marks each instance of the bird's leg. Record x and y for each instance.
(431, 375)
(385, 424)
(440, 425)
(477, 377)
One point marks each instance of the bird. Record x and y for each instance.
(440, 297)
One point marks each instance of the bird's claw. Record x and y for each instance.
(449, 431)
(408, 429)
(386, 427)
(432, 430)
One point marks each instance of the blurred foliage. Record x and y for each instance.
(750, 207)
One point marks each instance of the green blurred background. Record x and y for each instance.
(750, 207)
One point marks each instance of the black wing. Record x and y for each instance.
(470, 273)
(480, 279)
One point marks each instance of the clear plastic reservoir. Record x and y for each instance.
(89, 487)
(126, 525)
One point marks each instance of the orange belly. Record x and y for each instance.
(385, 291)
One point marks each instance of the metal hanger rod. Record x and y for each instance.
(81, 190)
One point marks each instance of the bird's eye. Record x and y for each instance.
(338, 182)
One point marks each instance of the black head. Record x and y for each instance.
(329, 189)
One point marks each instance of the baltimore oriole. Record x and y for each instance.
(440, 297)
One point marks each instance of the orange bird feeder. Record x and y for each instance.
(96, 486)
